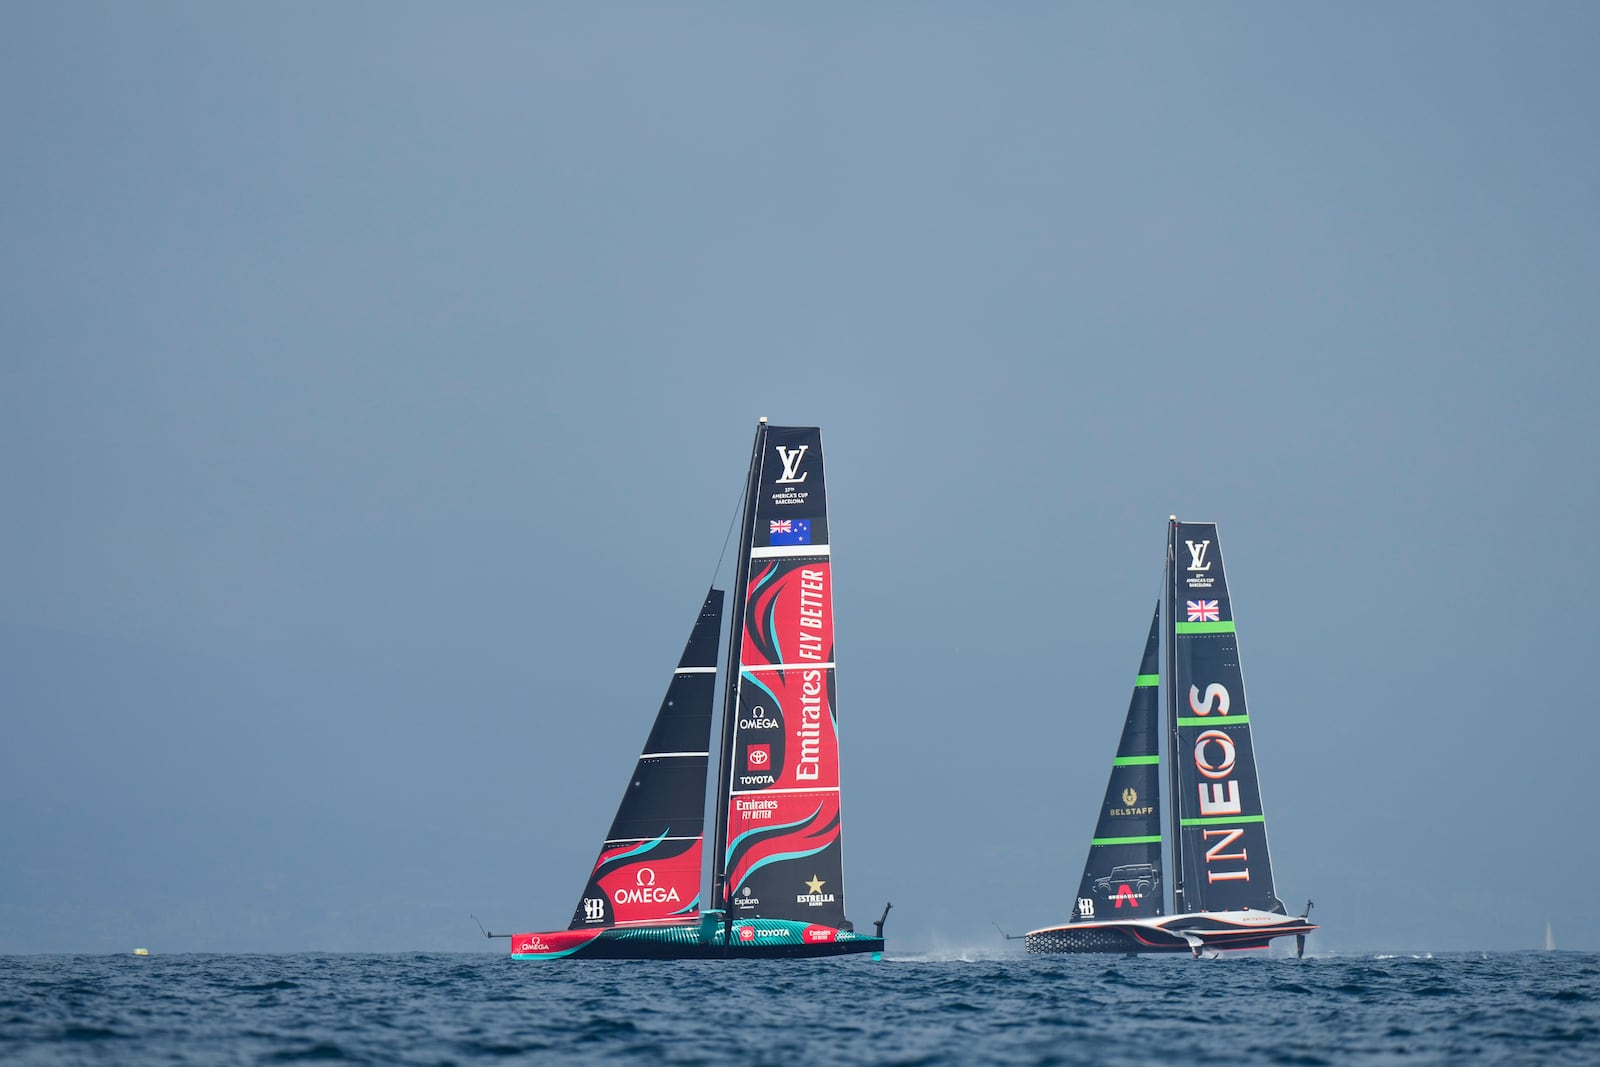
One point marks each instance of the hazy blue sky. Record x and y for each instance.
(377, 382)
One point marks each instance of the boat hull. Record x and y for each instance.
(750, 939)
(1192, 933)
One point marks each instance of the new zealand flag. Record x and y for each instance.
(789, 532)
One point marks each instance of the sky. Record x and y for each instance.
(377, 383)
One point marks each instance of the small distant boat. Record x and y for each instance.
(1223, 895)
(141, 952)
(777, 880)
(1549, 938)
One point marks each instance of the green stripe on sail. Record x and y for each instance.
(1135, 761)
(1225, 820)
(1154, 840)
(1145, 681)
(1218, 720)
(1204, 627)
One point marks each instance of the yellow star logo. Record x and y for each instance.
(816, 884)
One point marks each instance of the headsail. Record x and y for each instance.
(1122, 876)
(779, 847)
(649, 866)
(1219, 828)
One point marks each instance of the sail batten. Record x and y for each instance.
(810, 789)
(788, 551)
(1147, 839)
(765, 668)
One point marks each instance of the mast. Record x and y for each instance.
(1173, 805)
(730, 695)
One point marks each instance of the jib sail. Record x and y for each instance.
(1122, 876)
(649, 866)
(779, 846)
(1220, 830)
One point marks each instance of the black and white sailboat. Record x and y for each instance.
(1219, 869)
(777, 859)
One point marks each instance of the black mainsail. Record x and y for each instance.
(1218, 821)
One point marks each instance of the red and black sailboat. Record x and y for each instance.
(1221, 872)
(777, 866)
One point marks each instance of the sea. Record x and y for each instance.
(1495, 1008)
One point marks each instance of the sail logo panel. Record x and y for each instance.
(786, 737)
(644, 882)
(788, 623)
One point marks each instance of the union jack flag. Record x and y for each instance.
(1203, 611)
(782, 526)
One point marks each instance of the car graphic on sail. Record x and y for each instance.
(1141, 878)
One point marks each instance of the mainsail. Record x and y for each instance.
(1122, 876)
(649, 866)
(1219, 828)
(778, 845)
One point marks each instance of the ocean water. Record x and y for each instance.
(1534, 1008)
